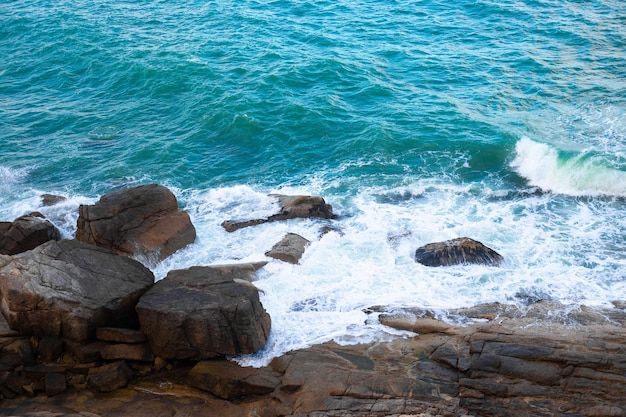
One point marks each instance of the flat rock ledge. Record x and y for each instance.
(496, 367)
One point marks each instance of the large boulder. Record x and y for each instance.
(140, 220)
(290, 207)
(462, 250)
(203, 312)
(26, 233)
(69, 288)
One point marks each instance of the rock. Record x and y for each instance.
(457, 251)
(68, 289)
(26, 233)
(203, 312)
(50, 349)
(110, 377)
(51, 199)
(120, 335)
(289, 249)
(291, 207)
(55, 384)
(143, 220)
(135, 352)
(230, 381)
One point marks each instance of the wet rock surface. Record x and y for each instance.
(459, 251)
(290, 207)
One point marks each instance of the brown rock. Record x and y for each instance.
(457, 251)
(203, 312)
(120, 335)
(289, 249)
(143, 220)
(69, 288)
(51, 199)
(291, 207)
(50, 349)
(229, 381)
(55, 384)
(110, 377)
(135, 352)
(26, 233)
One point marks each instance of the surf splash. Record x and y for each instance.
(577, 174)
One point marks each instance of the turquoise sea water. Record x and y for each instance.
(419, 121)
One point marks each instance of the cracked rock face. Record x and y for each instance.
(203, 312)
(68, 289)
(143, 220)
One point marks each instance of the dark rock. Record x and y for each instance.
(457, 251)
(120, 335)
(203, 312)
(89, 352)
(135, 352)
(50, 349)
(143, 220)
(26, 233)
(291, 207)
(110, 377)
(68, 289)
(55, 384)
(51, 199)
(289, 249)
(230, 381)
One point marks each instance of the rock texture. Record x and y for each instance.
(143, 220)
(68, 289)
(507, 366)
(291, 207)
(26, 233)
(203, 312)
(457, 251)
(289, 249)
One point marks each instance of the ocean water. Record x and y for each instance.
(419, 121)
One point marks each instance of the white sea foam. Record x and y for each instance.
(555, 247)
(579, 175)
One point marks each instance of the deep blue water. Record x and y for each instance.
(418, 121)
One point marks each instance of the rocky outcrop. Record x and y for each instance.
(26, 233)
(291, 207)
(497, 367)
(289, 249)
(68, 289)
(203, 312)
(143, 220)
(462, 250)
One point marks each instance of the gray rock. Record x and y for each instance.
(462, 250)
(289, 249)
(26, 233)
(68, 289)
(203, 312)
(143, 220)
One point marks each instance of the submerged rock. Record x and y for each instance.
(26, 233)
(69, 288)
(462, 250)
(143, 220)
(291, 207)
(203, 312)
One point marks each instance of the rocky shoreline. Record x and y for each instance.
(85, 331)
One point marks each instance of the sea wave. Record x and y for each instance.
(575, 174)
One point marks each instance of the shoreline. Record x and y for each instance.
(501, 366)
